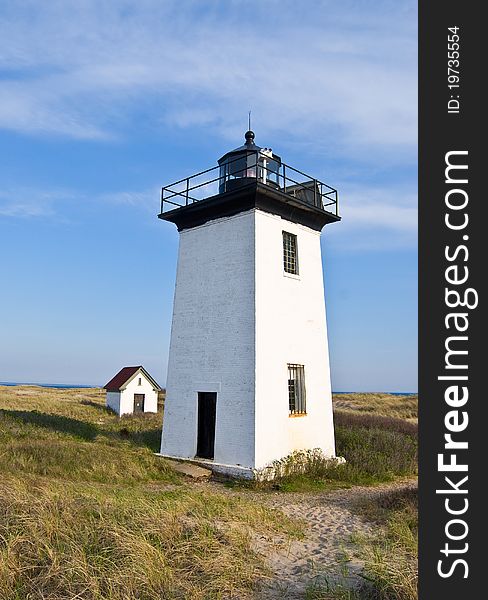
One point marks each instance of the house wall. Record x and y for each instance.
(290, 328)
(212, 340)
(112, 400)
(133, 387)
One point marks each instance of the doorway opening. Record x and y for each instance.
(138, 403)
(207, 410)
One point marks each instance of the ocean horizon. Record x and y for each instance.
(49, 385)
(84, 385)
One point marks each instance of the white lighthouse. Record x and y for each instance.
(248, 373)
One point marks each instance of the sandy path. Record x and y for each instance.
(326, 552)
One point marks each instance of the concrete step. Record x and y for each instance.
(189, 469)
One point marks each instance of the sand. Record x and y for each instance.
(327, 552)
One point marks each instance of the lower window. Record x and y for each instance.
(296, 390)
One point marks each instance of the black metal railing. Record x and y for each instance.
(285, 179)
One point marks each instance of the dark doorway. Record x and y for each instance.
(138, 403)
(207, 405)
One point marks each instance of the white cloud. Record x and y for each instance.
(346, 75)
(146, 200)
(389, 207)
(329, 78)
(372, 218)
(25, 202)
(375, 219)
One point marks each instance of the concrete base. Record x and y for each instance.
(189, 469)
(220, 468)
(235, 471)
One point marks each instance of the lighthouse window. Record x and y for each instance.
(290, 258)
(296, 390)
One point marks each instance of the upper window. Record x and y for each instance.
(296, 390)
(290, 255)
(140, 381)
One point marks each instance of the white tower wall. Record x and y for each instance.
(290, 328)
(212, 340)
(238, 320)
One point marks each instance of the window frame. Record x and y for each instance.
(290, 253)
(297, 394)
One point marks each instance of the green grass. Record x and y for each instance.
(375, 433)
(73, 436)
(88, 511)
(336, 592)
(373, 455)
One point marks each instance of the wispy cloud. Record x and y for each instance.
(60, 204)
(26, 202)
(376, 219)
(338, 77)
(390, 207)
(84, 69)
(146, 200)
(373, 218)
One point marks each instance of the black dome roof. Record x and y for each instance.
(249, 146)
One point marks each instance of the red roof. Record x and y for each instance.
(118, 382)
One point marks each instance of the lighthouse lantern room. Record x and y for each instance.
(248, 371)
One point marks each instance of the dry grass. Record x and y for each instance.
(61, 541)
(376, 448)
(70, 434)
(348, 418)
(87, 511)
(391, 558)
(387, 405)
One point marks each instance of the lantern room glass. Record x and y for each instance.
(237, 167)
(269, 170)
(250, 165)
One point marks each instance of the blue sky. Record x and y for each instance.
(102, 103)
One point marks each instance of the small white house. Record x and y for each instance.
(132, 391)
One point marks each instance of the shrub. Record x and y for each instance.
(375, 454)
(369, 421)
(388, 405)
(372, 455)
(311, 463)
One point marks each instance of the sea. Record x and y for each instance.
(72, 386)
(67, 386)
(378, 392)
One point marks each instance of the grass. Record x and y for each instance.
(88, 511)
(350, 419)
(387, 405)
(73, 436)
(377, 434)
(335, 591)
(390, 557)
(63, 541)
(377, 449)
